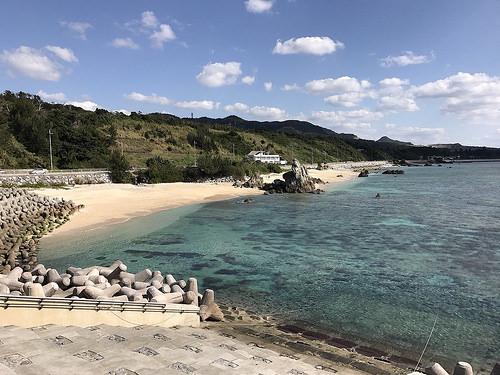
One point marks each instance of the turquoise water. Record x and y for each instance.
(375, 270)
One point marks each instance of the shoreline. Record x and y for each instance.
(110, 204)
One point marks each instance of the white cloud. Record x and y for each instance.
(359, 115)
(397, 103)
(78, 28)
(340, 85)
(54, 97)
(63, 53)
(268, 113)
(268, 86)
(163, 35)
(149, 20)
(86, 105)
(126, 112)
(220, 74)
(405, 59)
(162, 100)
(290, 87)
(264, 113)
(237, 107)
(259, 6)
(393, 82)
(350, 99)
(154, 99)
(472, 97)
(313, 45)
(124, 43)
(195, 104)
(32, 63)
(248, 80)
(356, 120)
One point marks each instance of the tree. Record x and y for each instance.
(119, 168)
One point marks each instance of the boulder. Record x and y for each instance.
(363, 173)
(297, 180)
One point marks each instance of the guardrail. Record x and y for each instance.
(7, 301)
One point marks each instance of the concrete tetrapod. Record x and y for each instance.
(463, 368)
(436, 369)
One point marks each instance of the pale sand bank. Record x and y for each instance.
(114, 203)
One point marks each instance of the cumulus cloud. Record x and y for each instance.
(350, 99)
(86, 105)
(397, 103)
(149, 20)
(340, 85)
(163, 35)
(124, 43)
(198, 104)
(248, 80)
(220, 74)
(405, 59)
(32, 63)
(471, 96)
(259, 6)
(237, 107)
(78, 28)
(64, 54)
(313, 45)
(360, 116)
(268, 86)
(290, 87)
(154, 99)
(162, 100)
(262, 112)
(54, 97)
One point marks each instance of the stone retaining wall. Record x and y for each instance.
(56, 178)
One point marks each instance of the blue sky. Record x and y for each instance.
(425, 71)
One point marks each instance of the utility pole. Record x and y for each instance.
(50, 149)
(312, 156)
(195, 156)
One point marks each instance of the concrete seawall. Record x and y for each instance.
(27, 177)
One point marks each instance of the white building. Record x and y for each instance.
(264, 157)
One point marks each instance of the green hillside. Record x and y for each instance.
(83, 139)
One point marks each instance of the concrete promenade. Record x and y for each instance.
(142, 350)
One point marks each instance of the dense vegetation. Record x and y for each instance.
(167, 147)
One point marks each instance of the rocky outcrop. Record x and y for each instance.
(24, 218)
(297, 180)
(393, 171)
(364, 173)
(255, 182)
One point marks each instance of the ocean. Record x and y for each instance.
(376, 270)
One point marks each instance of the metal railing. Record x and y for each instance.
(7, 301)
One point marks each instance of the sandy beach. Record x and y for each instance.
(108, 204)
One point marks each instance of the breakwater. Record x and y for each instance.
(24, 218)
(110, 283)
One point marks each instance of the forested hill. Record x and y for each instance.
(83, 139)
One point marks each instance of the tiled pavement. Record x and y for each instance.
(106, 350)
